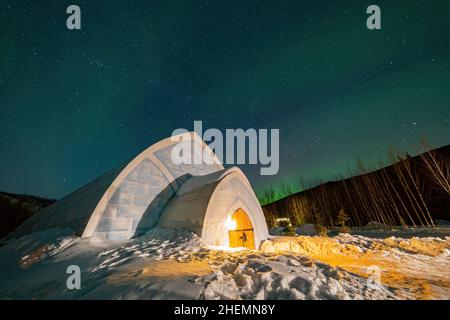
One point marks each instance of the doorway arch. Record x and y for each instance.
(242, 235)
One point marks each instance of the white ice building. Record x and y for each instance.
(151, 190)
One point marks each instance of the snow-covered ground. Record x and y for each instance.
(176, 264)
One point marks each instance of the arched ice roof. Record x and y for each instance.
(145, 185)
(202, 204)
(113, 205)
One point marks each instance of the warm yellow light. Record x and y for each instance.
(230, 224)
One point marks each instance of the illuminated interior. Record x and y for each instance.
(240, 230)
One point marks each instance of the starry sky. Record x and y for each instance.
(75, 104)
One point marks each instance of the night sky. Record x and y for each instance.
(75, 104)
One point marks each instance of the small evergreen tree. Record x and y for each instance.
(290, 231)
(320, 227)
(342, 219)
